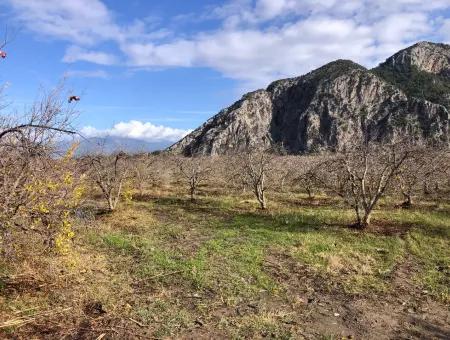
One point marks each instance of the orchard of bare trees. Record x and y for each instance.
(360, 176)
(42, 189)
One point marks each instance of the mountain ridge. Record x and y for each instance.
(324, 108)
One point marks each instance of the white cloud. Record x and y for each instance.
(75, 53)
(254, 41)
(263, 40)
(78, 21)
(258, 57)
(138, 130)
(252, 12)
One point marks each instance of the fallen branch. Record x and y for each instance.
(137, 322)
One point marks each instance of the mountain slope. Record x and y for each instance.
(421, 71)
(326, 107)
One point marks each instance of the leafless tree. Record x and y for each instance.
(194, 170)
(307, 178)
(362, 173)
(284, 171)
(142, 170)
(424, 165)
(256, 165)
(109, 173)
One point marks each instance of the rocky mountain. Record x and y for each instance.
(421, 71)
(407, 94)
(423, 56)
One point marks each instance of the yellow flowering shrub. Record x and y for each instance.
(128, 192)
(53, 195)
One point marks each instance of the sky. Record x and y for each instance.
(155, 70)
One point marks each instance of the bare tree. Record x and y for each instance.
(362, 173)
(307, 178)
(284, 171)
(194, 170)
(109, 173)
(255, 166)
(28, 143)
(423, 165)
(143, 172)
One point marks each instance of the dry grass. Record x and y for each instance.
(163, 266)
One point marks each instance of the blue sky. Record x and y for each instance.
(154, 70)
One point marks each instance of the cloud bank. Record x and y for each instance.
(137, 130)
(253, 42)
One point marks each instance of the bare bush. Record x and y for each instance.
(109, 174)
(36, 185)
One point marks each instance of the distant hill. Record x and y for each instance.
(409, 94)
(109, 145)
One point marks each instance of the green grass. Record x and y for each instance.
(119, 242)
(220, 249)
(168, 317)
(170, 262)
(230, 260)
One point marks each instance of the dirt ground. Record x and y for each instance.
(316, 308)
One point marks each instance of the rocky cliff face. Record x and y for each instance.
(423, 56)
(325, 108)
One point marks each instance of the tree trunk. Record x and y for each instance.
(426, 189)
(262, 202)
(362, 218)
(259, 192)
(366, 219)
(192, 191)
(310, 193)
(436, 187)
(358, 215)
(111, 204)
(407, 203)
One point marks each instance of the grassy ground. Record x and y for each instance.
(220, 268)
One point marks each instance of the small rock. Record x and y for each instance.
(198, 323)
(336, 314)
